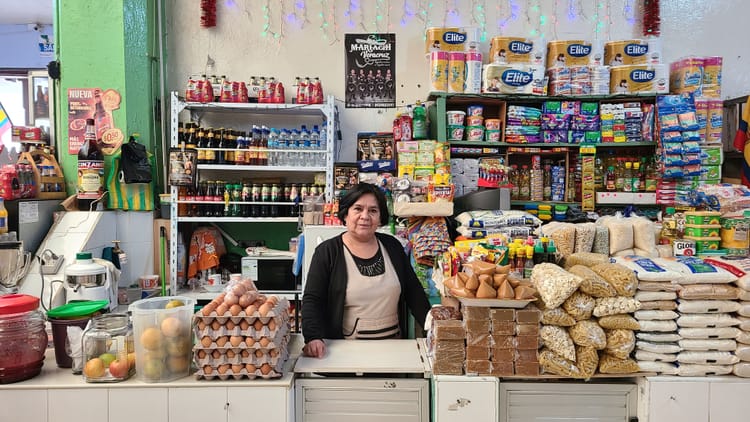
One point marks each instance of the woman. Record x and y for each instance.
(360, 283)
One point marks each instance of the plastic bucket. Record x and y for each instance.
(60, 338)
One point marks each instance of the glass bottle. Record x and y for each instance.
(208, 209)
(524, 192)
(627, 177)
(236, 198)
(3, 217)
(245, 197)
(219, 199)
(182, 206)
(108, 349)
(90, 169)
(274, 208)
(610, 182)
(103, 119)
(23, 339)
(619, 176)
(255, 199)
(210, 142)
(220, 139)
(265, 196)
(514, 190)
(636, 181)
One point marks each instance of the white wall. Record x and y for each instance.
(698, 27)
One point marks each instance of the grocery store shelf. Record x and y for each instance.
(540, 98)
(237, 219)
(524, 203)
(222, 167)
(256, 108)
(550, 145)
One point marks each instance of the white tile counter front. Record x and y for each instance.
(56, 395)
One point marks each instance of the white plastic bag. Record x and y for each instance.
(706, 345)
(707, 320)
(658, 337)
(707, 358)
(709, 333)
(692, 370)
(709, 307)
(658, 367)
(655, 315)
(646, 269)
(654, 357)
(663, 348)
(620, 232)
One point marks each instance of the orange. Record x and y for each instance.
(171, 327)
(151, 338)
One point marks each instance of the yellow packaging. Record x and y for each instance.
(456, 71)
(639, 79)
(444, 39)
(626, 52)
(439, 71)
(686, 74)
(712, 76)
(514, 79)
(574, 53)
(406, 170)
(505, 50)
(734, 234)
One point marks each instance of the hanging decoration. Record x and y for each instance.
(598, 24)
(407, 14)
(378, 15)
(451, 10)
(479, 17)
(628, 11)
(608, 19)
(348, 13)
(554, 19)
(572, 11)
(513, 13)
(651, 18)
(208, 13)
(299, 15)
(536, 28)
(282, 12)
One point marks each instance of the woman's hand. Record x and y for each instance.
(314, 349)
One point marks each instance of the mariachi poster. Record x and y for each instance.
(93, 103)
(370, 70)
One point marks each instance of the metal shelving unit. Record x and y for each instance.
(236, 115)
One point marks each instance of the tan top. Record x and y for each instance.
(371, 303)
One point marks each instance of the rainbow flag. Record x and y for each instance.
(5, 124)
(741, 140)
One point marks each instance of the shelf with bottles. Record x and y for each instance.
(259, 108)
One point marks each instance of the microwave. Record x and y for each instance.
(270, 272)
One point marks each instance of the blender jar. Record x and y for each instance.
(108, 349)
(23, 339)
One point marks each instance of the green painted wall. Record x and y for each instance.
(107, 44)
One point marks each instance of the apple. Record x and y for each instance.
(118, 368)
(94, 368)
(131, 360)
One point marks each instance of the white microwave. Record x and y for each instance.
(270, 272)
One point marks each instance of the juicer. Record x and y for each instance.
(91, 279)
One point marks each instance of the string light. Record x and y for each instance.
(598, 25)
(388, 25)
(301, 17)
(513, 13)
(628, 12)
(425, 11)
(571, 10)
(279, 35)
(407, 14)
(358, 6)
(335, 23)
(348, 13)
(535, 31)
(378, 16)
(554, 18)
(323, 19)
(610, 23)
(267, 19)
(581, 10)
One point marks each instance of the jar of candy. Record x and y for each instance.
(23, 339)
(108, 349)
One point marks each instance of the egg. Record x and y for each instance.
(221, 341)
(265, 369)
(206, 341)
(235, 310)
(215, 325)
(237, 367)
(239, 289)
(260, 300)
(245, 301)
(231, 354)
(252, 295)
(250, 342)
(259, 353)
(208, 309)
(245, 353)
(250, 368)
(236, 340)
(231, 299)
(222, 309)
(207, 370)
(201, 325)
(251, 310)
(273, 353)
(230, 325)
(273, 299)
(201, 354)
(220, 297)
(264, 342)
(272, 324)
(222, 369)
(244, 325)
(216, 354)
(264, 309)
(258, 325)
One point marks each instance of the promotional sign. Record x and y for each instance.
(93, 103)
(370, 70)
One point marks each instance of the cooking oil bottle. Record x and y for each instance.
(668, 227)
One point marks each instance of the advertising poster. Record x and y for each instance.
(370, 70)
(93, 103)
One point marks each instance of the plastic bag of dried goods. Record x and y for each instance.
(621, 278)
(655, 315)
(553, 283)
(708, 306)
(588, 360)
(585, 234)
(564, 236)
(620, 232)
(646, 269)
(601, 240)
(611, 365)
(658, 286)
(709, 291)
(552, 363)
(654, 296)
(709, 333)
(655, 357)
(741, 369)
(644, 235)
(695, 270)
(658, 305)
(615, 305)
(658, 367)
(692, 370)
(620, 343)
(557, 316)
(619, 322)
(658, 326)
(705, 345)
(558, 340)
(707, 358)
(663, 348)
(579, 305)
(592, 283)
(588, 333)
(587, 259)
(707, 320)
(658, 337)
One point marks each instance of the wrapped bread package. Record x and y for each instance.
(478, 367)
(478, 352)
(449, 330)
(499, 314)
(505, 328)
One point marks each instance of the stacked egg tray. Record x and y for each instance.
(242, 346)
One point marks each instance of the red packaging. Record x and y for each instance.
(317, 92)
(207, 91)
(191, 92)
(278, 94)
(243, 93)
(263, 96)
(235, 92)
(406, 122)
(397, 129)
(301, 92)
(308, 91)
(226, 91)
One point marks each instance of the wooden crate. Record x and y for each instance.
(38, 158)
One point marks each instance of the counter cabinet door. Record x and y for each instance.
(198, 404)
(24, 405)
(684, 401)
(138, 404)
(729, 401)
(469, 400)
(248, 403)
(67, 405)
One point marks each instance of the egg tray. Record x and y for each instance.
(209, 359)
(276, 343)
(281, 329)
(279, 311)
(275, 372)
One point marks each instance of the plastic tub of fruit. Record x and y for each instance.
(163, 337)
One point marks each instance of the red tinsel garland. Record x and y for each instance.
(651, 18)
(208, 13)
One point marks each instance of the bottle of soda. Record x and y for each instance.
(255, 199)
(219, 199)
(274, 198)
(239, 151)
(208, 196)
(245, 196)
(210, 142)
(265, 196)
(90, 169)
(294, 199)
(220, 136)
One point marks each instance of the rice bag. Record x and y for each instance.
(707, 320)
(655, 357)
(709, 291)
(643, 235)
(709, 333)
(658, 367)
(646, 269)
(741, 369)
(663, 348)
(659, 305)
(658, 326)
(696, 271)
(658, 286)
(655, 315)
(693, 370)
(659, 337)
(652, 296)
(707, 306)
(706, 345)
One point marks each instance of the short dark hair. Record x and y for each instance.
(356, 192)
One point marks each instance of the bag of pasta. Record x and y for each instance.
(579, 306)
(588, 360)
(592, 283)
(619, 322)
(609, 364)
(622, 278)
(558, 340)
(552, 363)
(588, 333)
(620, 343)
(553, 283)
(587, 259)
(557, 316)
(615, 305)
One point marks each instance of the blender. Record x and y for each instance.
(88, 280)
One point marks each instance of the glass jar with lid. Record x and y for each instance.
(108, 349)
(23, 339)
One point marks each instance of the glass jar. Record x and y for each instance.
(108, 349)
(23, 339)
